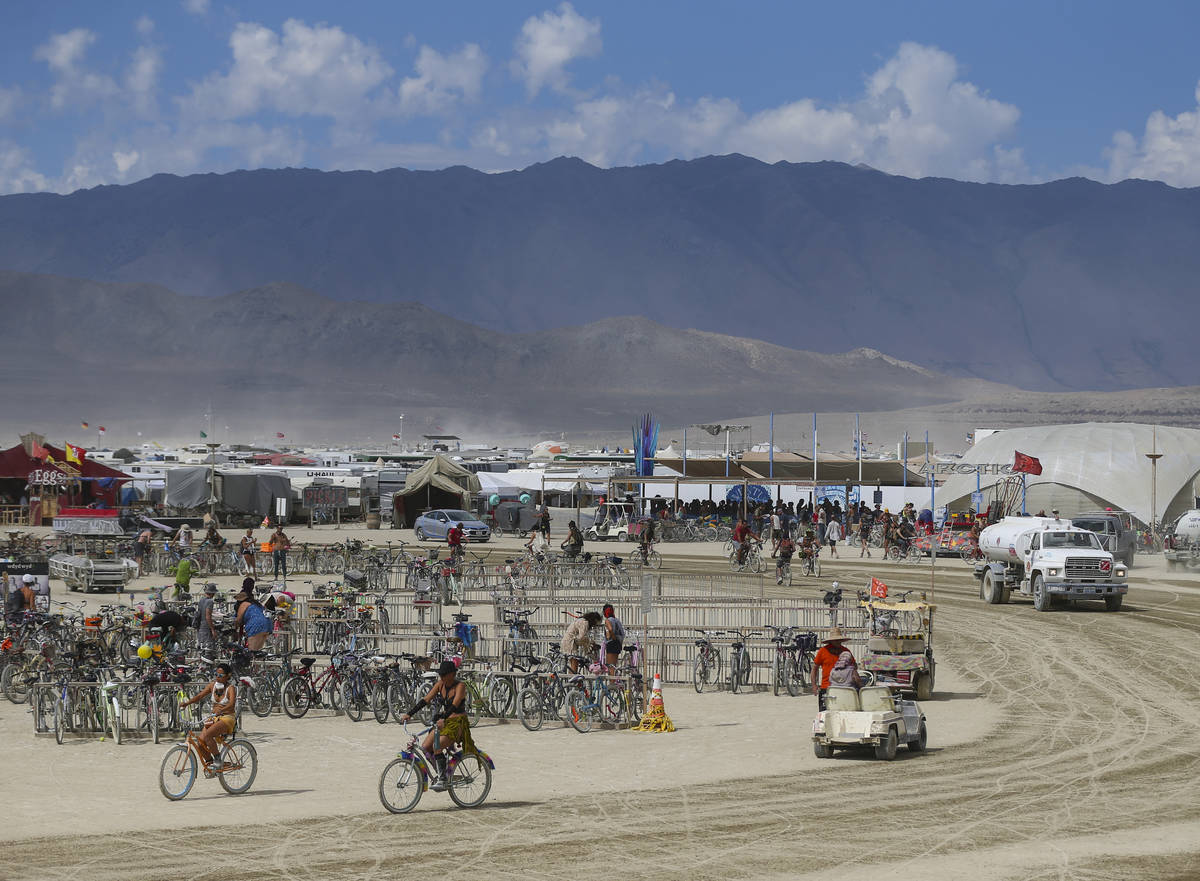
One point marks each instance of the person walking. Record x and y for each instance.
(141, 547)
(279, 548)
(206, 629)
(833, 534)
(248, 548)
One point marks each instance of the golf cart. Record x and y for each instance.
(900, 645)
(613, 524)
(868, 717)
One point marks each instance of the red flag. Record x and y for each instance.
(39, 452)
(1023, 464)
(75, 454)
(101, 429)
(279, 434)
(878, 588)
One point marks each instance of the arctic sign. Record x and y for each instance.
(964, 468)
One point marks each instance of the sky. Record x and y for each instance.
(1019, 92)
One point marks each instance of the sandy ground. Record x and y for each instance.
(1063, 746)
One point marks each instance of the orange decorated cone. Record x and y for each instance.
(656, 719)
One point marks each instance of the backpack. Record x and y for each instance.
(618, 629)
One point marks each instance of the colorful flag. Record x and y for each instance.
(84, 424)
(101, 429)
(878, 588)
(1023, 464)
(75, 454)
(279, 434)
(40, 452)
(203, 434)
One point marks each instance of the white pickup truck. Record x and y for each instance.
(1047, 558)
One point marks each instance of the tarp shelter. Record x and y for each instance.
(241, 491)
(515, 517)
(51, 480)
(439, 483)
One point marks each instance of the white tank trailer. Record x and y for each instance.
(1047, 558)
(1181, 545)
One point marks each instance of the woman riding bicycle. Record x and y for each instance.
(223, 721)
(450, 725)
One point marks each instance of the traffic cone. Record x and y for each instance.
(656, 719)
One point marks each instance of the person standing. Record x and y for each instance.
(614, 637)
(248, 548)
(279, 548)
(544, 523)
(865, 523)
(578, 640)
(206, 630)
(183, 540)
(252, 622)
(141, 546)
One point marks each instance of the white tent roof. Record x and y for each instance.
(1105, 460)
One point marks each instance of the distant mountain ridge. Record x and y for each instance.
(1065, 285)
(281, 352)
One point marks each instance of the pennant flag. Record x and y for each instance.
(203, 434)
(1023, 464)
(395, 437)
(84, 424)
(75, 454)
(40, 452)
(878, 588)
(101, 429)
(279, 434)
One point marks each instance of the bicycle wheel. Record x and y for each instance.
(333, 695)
(501, 695)
(634, 703)
(60, 719)
(401, 785)
(379, 701)
(816, 567)
(529, 708)
(654, 559)
(793, 677)
(734, 565)
(399, 699)
(296, 697)
(354, 698)
(700, 674)
(580, 711)
(112, 712)
(474, 704)
(612, 707)
(260, 699)
(15, 682)
(737, 663)
(177, 772)
(241, 759)
(777, 668)
(470, 780)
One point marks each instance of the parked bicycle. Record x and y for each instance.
(706, 669)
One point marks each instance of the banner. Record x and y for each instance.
(75, 454)
(1023, 464)
(878, 588)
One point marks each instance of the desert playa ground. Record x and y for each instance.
(1062, 746)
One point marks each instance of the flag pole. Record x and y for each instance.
(904, 470)
(814, 457)
(771, 450)
(858, 448)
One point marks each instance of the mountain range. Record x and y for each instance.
(1066, 285)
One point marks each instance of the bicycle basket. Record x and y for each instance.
(806, 642)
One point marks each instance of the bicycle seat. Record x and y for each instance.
(630, 648)
(307, 662)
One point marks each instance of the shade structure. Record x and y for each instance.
(1087, 466)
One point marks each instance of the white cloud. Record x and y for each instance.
(73, 84)
(1169, 149)
(549, 42)
(10, 100)
(17, 174)
(441, 79)
(915, 117)
(141, 78)
(144, 26)
(316, 71)
(64, 51)
(196, 7)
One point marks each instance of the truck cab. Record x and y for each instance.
(1047, 558)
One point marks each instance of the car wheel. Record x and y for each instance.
(821, 751)
(420, 533)
(918, 745)
(1041, 596)
(923, 686)
(885, 750)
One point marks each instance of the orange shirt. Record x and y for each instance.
(824, 661)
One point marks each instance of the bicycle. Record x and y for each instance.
(812, 563)
(235, 768)
(739, 661)
(752, 561)
(405, 778)
(589, 702)
(791, 666)
(542, 694)
(302, 690)
(706, 669)
(646, 556)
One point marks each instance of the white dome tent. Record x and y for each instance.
(1089, 466)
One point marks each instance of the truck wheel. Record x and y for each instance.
(1113, 603)
(1041, 596)
(885, 750)
(821, 751)
(923, 686)
(991, 590)
(918, 745)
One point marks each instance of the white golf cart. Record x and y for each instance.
(614, 523)
(868, 717)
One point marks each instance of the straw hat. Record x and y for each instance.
(835, 635)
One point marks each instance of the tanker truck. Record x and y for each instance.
(1181, 545)
(1045, 558)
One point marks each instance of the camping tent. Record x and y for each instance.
(439, 483)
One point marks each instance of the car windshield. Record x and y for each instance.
(460, 515)
(1070, 540)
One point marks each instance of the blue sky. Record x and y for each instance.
(95, 93)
